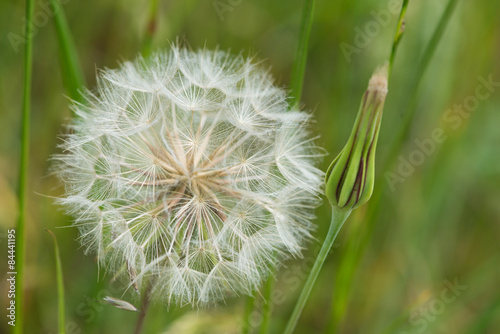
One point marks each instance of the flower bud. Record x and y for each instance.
(350, 177)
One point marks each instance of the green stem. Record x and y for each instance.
(23, 168)
(343, 276)
(150, 28)
(70, 66)
(145, 301)
(249, 305)
(399, 33)
(339, 216)
(60, 285)
(422, 67)
(266, 307)
(299, 64)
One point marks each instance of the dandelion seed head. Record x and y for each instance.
(189, 171)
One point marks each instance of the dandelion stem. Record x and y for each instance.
(249, 305)
(145, 301)
(266, 307)
(299, 64)
(339, 216)
(23, 167)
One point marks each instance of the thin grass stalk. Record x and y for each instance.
(24, 168)
(299, 64)
(70, 66)
(421, 69)
(374, 206)
(399, 33)
(151, 27)
(60, 286)
(339, 216)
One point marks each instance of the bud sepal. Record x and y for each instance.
(350, 177)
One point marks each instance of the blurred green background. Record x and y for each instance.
(422, 257)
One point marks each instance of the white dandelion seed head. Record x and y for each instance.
(190, 171)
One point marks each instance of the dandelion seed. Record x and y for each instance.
(121, 304)
(189, 172)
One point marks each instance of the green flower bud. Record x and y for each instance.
(350, 177)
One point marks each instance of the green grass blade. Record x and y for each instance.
(70, 66)
(23, 168)
(400, 140)
(60, 286)
(422, 67)
(299, 65)
(150, 28)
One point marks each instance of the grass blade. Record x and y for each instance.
(70, 66)
(60, 285)
(150, 28)
(422, 67)
(23, 167)
(299, 65)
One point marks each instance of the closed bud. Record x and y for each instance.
(350, 177)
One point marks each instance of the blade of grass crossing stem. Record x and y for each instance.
(70, 66)
(23, 168)
(299, 65)
(342, 279)
(150, 28)
(60, 285)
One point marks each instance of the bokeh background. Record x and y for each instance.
(421, 257)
